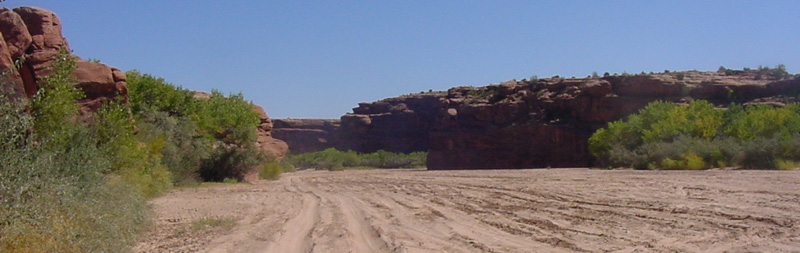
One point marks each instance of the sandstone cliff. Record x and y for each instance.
(537, 123)
(266, 142)
(31, 39)
(307, 135)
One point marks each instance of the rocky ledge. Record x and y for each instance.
(535, 123)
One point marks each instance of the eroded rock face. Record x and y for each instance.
(44, 28)
(535, 124)
(400, 124)
(32, 39)
(266, 141)
(307, 135)
(547, 123)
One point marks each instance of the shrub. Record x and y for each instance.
(54, 193)
(230, 161)
(149, 93)
(270, 170)
(332, 159)
(230, 119)
(198, 138)
(788, 164)
(182, 149)
(697, 136)
(758, 153)
(137, 161)
(54, 106)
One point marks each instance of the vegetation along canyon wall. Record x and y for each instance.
(529, 123)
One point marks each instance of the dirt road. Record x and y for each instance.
(558, 210)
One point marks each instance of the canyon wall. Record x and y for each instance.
(536, 123)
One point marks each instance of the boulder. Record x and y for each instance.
(10, 79)
(32, 39)
(15, 33)
(44, 28)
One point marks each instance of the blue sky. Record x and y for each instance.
(318, 59)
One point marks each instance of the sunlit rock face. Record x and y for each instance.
(32, 39)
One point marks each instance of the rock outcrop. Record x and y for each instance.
(307, 135)
(529, 124)
(399, 124)
(266, 142)
(536, 123)
(32, 39)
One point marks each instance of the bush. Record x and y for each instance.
(759, 153)
(137, 161)
(698, 136)
(54, 106)
(55, 193)
(788, 165)
(149, 93)
(230, 161)
(207, 138)
(230, 119)
(182, 149)
(332, 159)
(270, 170)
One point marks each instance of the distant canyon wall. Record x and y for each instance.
(524, 124)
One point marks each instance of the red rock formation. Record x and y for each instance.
(307, 135)
(265, 140)
(399, 124)
(532, 124)
(548, 122)
(32, 38)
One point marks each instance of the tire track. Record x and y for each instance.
(296, 233)
(503, 211)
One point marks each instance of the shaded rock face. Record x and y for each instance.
(307, 135)
(401, 124)
(547, 123)
(266, 141)
(533, 124)
(32, 39)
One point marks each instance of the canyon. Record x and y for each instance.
(528, 123)
(514, 124)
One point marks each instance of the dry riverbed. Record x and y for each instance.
(556, 210)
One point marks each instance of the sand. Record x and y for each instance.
(545, 210)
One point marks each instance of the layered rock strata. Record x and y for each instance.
(536, 123)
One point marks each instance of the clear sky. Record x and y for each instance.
(318, 59)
